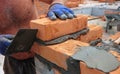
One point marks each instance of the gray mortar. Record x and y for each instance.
(98, 59)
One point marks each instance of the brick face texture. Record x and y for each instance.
(52, 29)
(59, 53)
(62, 51)
(94, 33)
(115, 36)
(73, 3)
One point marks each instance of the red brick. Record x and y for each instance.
(94, 33)
(115, 36)
(59, 53)
(52, 29)
(72, 4)
(85, 70)
(108, 1)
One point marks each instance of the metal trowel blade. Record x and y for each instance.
(22, 42)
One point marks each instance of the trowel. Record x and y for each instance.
(25, 38)
(23, 41)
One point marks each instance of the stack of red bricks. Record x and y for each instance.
(59, 53)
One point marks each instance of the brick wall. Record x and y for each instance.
(59, 53)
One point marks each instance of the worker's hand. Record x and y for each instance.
(5, 40)
(60, 11)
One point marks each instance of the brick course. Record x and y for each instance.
(94, 33)
(52, 29)
(59, 53)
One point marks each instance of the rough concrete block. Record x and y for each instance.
(94, 33)
(49, 30)
(59, 53)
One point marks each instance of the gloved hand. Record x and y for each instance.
(5, 40)
(60, 11)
